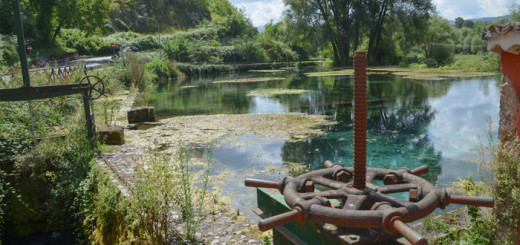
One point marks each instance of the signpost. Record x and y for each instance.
(114, 47)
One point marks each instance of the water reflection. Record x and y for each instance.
(410, 123)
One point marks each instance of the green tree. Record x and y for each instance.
(458, 22)
(440, 37)
(43, 19)
(515, 12)
(469, 24)
(343, 23)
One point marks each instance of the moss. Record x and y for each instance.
(274, 92)
(430, 73)
(251, 80)
(344, 72)
(267, 71)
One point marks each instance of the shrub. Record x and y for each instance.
(177, 49)
(8, 54)
(80, 41)
(156, 193)
(418, 66)
(442, 55)
(200, 70)
(277, 51)
(145, 43)
(158, 67)
(163, 69)
(489, 62)
(131, 71)
(250, 51)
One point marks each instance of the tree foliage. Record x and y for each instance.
(43, 19)
(347, 24)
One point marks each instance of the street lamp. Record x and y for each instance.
(158, 31)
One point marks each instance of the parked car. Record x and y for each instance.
(129, 48)
(125, 49)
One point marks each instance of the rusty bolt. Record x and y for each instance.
(343, 176)
(413, 195)
(309, 186)
(390, 179)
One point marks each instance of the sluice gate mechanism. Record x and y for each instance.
(348, 208)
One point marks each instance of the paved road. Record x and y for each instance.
(91, 63)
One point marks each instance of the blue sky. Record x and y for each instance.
(261, 11)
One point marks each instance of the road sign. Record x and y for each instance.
(29, 48)
(113, 45)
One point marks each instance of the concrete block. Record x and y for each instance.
(111, 135)
(141, 114)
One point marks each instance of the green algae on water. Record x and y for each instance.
(274, 92)
(251, 80)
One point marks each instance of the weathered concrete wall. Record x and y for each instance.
(507, 129)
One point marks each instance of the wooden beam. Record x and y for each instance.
(37, 93)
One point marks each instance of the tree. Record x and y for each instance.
(43, 19)
(515, 12)
(440, 37)
(458, 22)
(469, 24)
(345, 23)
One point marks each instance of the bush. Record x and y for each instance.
(78, 40)
(145, 43)
(418, 66)
(164, 70)
(488, 63)
(250, 51)
(8, 54)
(277, 51)
(158, 67)
(177, 49)
(131, 71)
(200, 70)
(162, 185)
(441, 55)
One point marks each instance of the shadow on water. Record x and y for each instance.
(410, 123)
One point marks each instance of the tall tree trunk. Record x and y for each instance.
(379, 36)
(376, 32)
(56, 32)
(357, 20)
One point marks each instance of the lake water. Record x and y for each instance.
(410, 123)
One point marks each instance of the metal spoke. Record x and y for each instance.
(396, 202)
(395, 188)
(328, 182)
(354, 202)
(330, 194)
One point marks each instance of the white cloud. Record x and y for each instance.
(261, 12)
(468, 9)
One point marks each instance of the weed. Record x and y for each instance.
(156, 194)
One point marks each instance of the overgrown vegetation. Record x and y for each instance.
(500, 175)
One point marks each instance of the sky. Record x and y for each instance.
(262, 11)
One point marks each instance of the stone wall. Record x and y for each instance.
(508, 111)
